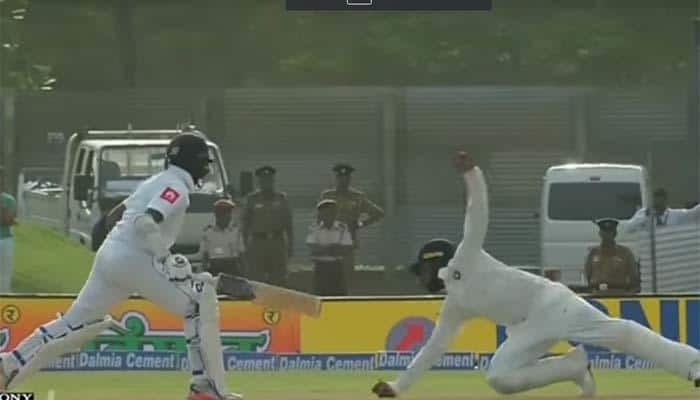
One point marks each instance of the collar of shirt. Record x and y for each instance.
(182, 174)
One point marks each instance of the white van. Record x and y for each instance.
(573, 196)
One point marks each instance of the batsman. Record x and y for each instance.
(135, 257)
(537, 314)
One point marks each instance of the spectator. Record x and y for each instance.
(222, 243)
(267, 229)
(660, 212)
(330, 241)
(354, 210)
(8, 213)
(611, 267)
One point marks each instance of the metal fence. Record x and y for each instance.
(37, 190)
(399, 139)
(675, 264)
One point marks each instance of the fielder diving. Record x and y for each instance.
(135, 257)
(537, 313)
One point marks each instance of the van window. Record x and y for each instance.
(79, 162)
(88, 163)
(586, 201)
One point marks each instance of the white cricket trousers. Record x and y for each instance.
(120, 270)
(7, 250)
(560, 314)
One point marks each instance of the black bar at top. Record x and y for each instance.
(388, 5)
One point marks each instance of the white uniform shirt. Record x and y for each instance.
(337, 234)
(670, 217)
(222, 243)
(166, 192)
(477, 285)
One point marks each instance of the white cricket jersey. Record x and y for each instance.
(477, 285)
(166, 192)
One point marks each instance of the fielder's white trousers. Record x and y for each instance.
(7, 249)
(562, 315)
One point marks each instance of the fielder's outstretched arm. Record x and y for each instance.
(447, 327)
(636, 223)
(476, 219)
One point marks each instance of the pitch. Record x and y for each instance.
(321, 385)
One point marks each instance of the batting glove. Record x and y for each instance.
(178, 268)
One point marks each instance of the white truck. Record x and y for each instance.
(573, 196)
(102, 168)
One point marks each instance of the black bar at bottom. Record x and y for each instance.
(389, 5)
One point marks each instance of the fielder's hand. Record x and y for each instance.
(383, 389)
(463, 162)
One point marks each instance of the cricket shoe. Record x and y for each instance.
(586, 381)
(205, 391)
(694, 374)
(5, 375)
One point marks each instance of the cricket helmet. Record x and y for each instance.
(434, 255)
(190, 152)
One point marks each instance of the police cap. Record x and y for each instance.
(265, 170)
(607, 224)
(326, 203)
(224, 204)
(343, 169)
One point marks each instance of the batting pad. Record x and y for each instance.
(53, 349)
(210, 338)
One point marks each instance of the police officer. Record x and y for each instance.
(354, 209)
(611, 267)
(329, 241)
(222, 242)
(267, 228)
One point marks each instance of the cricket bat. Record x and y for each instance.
(266, 295)
(277, 297)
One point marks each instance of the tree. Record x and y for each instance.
(17, 69)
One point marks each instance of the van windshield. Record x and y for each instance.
(586, 201)
(123, 168)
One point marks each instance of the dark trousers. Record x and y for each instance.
(227, 265)
(329, 279)
(349, 270)
(268, 259)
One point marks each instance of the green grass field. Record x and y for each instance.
(46, 262)
(315, 385)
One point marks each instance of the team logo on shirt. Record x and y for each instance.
(170, 195)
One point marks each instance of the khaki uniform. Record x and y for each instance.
(266, 223)
(353, 206)
(329, 247)
(222, 250)
(617, 269)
